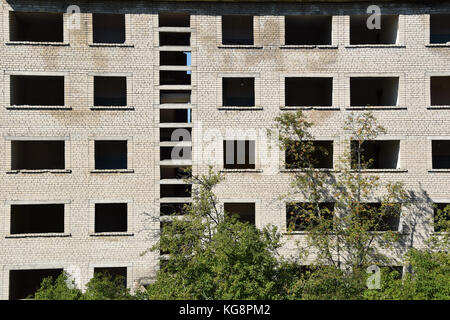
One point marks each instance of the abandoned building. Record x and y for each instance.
(105, 103)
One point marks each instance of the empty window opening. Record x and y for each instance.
(376, 154)
(174, 172)
(111, 217)
(309, 92)
(239, 154)
(176, 153)
(361, 34)
(175, 134)
(440, 150)
(440, 28)
(440, 91)
(238, 92)
(244, 212)
(441, 216)
(175, 190)
(108, 28)
(23, 284)
(174, 78)
(319, 155)
(237, 30)
(174, 58)
(37, 90)
(36, 26)
(110, 154)
(110, 91)
(380, 218)
(398, 270)
(174, 38)
(308, 30)
(175, 116)
(174, 96)
(373, 91)
(37, 218)
(118, 274)
(176, 209)
(174, 19)
(37, 155)
(301, 216)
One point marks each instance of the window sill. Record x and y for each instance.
(38, 43)
(443, 107)
(381, 170)
(239, 46)
(38, 235)
(112, 234)
(438, 45)
(112, 171)
(313, 46)
(375, 108)
(28, 107)
(241, 170)
(112, 108)
(376, 46)
(304, 170)
(40, 171)
(237, 108)
(439, 170)
(309, 108)
(113, 45)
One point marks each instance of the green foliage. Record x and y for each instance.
(61, 288)
(100, 287)
(215, 256)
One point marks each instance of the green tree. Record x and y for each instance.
(354, 233)
(212, 255)
(61, 288)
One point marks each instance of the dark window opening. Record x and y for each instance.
(317, 154)
(37, 155)
(308, 30)
(440, 28)
(379, 218)
(37, 218)
(440, 150)
(110, 91)
(238, 92)
(174, 96)
(118, 274)
(309, 92)
(110, 154)
(175, 115)
(111, 217)
(174, 19)
(440, 91)
(376, 154)
(237, 30)
(398, 270)
(174, 172)
(175, 153)
(372, 91)
(174, 78)
(176, 209)
(108, 28)
(361, 34)
(174, 58)
(301, 216)
(36, 26)
(245, 212)
(175, 190)
(175, 134)
(174, 38)
(441, 216)
(239, 154)
(23, 284)
(37, 90)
